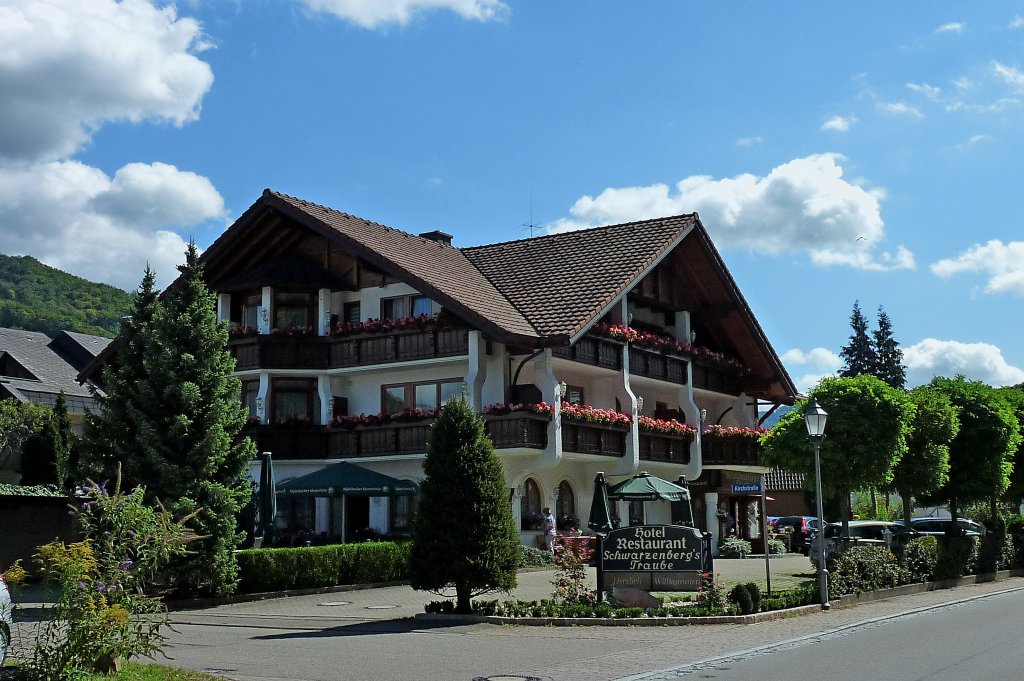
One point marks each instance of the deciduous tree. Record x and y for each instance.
(925, 466)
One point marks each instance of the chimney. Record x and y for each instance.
(438, 236)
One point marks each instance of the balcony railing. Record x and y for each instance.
(333, 352)
(607, 353)
(509, 431)
(591, 438)
(730, 451)
(716, 379)
(667, 448)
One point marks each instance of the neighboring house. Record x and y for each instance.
(318, 302)
(34, 368)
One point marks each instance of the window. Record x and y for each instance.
(565, 508)
(403, 510)
(294, 400)
(351, 313)
(636, 513)
(425, 395)
(574, 394)
(405, 306)
(299, 514)
(293, 310)
(250, 389)
(245, 308)
(529, 506)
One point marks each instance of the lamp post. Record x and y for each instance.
(815, 418)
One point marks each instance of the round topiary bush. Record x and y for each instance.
(735, 548)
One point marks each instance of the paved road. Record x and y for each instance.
(351, 635)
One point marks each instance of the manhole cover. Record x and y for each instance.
(380, 607)
(330, 604)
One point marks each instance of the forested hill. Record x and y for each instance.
(36, 297)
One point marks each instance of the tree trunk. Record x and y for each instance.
(953, 527)
(908, 508)
(874, 505)
(844, 510)
(463, 595)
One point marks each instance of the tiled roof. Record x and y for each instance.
(52, 374)
(428, 265)
(778, 480)
(560, 282)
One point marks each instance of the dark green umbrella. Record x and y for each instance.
(268, 500)
(600, 511)
(646, 487)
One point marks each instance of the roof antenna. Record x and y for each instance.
(530, 223)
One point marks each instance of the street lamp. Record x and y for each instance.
(815, 418)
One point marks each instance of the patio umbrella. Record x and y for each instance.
(600, 512)
(647, 487)
(267, 499)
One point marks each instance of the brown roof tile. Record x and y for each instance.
(560, 282)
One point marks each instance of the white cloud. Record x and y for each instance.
(929, 91)
(376, 13)
(839, 123)
(68, 66)
(811, 366)
(973, 140)
(1002, 263)
(1012, 76)
(963, 83)
(900, 109)
(804, 205)
(76, 218)
(748, 141)
(1018, 22)
(951, 27)
(976, 361)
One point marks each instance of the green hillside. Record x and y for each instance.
(36, 297)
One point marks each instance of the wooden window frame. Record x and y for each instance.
(409, 389)
(310, 392)
(311, 306)
(410, 304)
(524, 502)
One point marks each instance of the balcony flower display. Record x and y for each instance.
(668, 344)
(293, 421)
(408, 415)
(584, 413)
(419, 322)
(253, 420)
(501, 408)
(294, 331)
(242, 331)
(665, 426)
(735, 432)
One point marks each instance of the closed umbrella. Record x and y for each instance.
(600, 511)
(268, 500)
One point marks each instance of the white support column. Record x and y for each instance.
(223, 307)
(322, 516)
(263, 322)
(262, 407)
(745, 416)
(477, 372)
(323, 325)
(323, 389)
(548, 384)
(631, 460)
(711, 518)
(682, 328)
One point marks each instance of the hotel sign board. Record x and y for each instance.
(653, 558)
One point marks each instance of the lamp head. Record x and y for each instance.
(815, 418)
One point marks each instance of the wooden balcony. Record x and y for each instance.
(667, 448)
(518, 430)
(333, 352)
(730, 451)
(716, 379)
(290, 442)
(590, 438)
(607, 353)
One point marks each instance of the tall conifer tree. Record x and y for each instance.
(888, 356)
(858, 354)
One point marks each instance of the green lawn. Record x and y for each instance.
(135, 672)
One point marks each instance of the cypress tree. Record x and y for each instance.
(858, 354)
(464, 535)
(64, 441)
(888, 356)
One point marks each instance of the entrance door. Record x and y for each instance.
(357, 518)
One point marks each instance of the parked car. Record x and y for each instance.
(6, 621)
(803, 526)
(862, 532)
(940, 526)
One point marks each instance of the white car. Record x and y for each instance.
(6, 619)
(862, 533)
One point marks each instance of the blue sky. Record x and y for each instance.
(835, 152)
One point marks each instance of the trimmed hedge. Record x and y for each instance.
(313, 567)
(958, 556)
(919, 558)
(864, 568)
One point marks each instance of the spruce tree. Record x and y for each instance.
(109, 436)
(64, 442)
(888, 356)
(464, 536)
(858, 354)
(191, 436)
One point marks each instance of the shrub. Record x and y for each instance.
(864, 568)
(919, 558)
(322, 566)
(711, 597)
(957, 557)
(532, 557)
(776, 547)
(792, 598)
(571, 576)
(741, 597)
(996, 550)
(735, 548)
